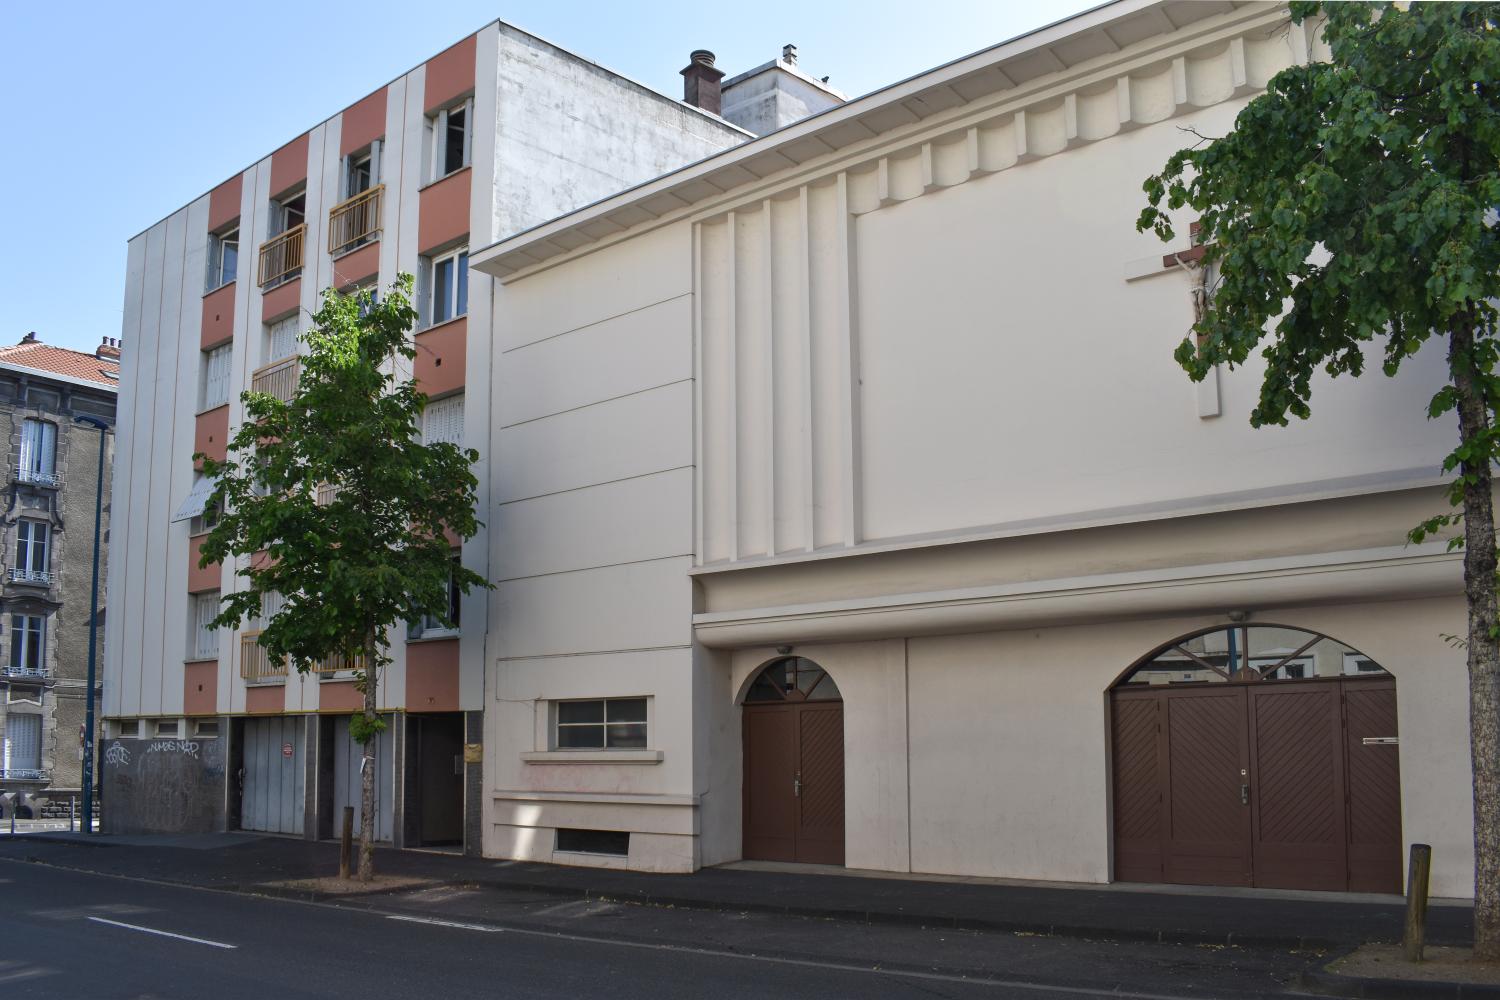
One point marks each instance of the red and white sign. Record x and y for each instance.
(286, 749)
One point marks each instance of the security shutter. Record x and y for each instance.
(283, 339)
(444, 421)
(23, 742)
(206, 637)
(216, 377)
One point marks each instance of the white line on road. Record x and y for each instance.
(153, 930)
(973, 980)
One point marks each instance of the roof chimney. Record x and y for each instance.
(789, 54)
(700, 82)
(109, 349)
(31, 338)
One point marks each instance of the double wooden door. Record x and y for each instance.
(794, 782)
(1287, 785)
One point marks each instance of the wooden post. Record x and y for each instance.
(1415, 933)
(346, 842)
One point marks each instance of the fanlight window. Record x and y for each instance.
(793, 679)
(1244, 654)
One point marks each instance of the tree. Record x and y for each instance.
(1352, 207)
(333, 502)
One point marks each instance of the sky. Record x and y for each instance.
(122, 112)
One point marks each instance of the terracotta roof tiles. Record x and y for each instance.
(61, 361)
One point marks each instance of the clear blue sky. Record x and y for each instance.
(119, 112)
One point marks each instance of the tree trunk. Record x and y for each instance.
(1484, 655)
(367, 768)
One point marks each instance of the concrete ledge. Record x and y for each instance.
(1331, 984)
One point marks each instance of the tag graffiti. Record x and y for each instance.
(117, 755)
(188, 747)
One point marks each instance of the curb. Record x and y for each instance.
(1371, 988)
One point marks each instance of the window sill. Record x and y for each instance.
(434, 635)
(592, 757)
(356, 247)
(438, 326)
(438, 180)
(209, 409)
(219, 288)
(191, 660)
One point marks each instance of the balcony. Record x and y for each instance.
(355, 222)
(40, 577)
(339, 663)
(327, 493)
(22, 774)
(10, 672)
(256, 666)
(38, 478)
(278, 379)
(281, 257)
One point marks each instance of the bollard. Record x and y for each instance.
(346, 842)
(72, 813)
(1415, 934)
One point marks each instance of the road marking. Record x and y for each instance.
(485, 928)
(874, 970)
(153, 930)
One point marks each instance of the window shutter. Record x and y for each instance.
(23, 742)
(468, 131)
(283, 339)
(47, 454)
(207, 637)
(444, 421)
(28, 443)
(375, 150)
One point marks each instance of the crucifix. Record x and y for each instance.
(1190, 261)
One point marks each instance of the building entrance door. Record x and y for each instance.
(273, 775)
(794, 765)
(1257, 756)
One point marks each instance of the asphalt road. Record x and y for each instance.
(69, 934)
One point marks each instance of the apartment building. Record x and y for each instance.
(846, 506)
(47, 542)
(498, 132)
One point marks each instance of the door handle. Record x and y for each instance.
(1244, 795)
(797, 785)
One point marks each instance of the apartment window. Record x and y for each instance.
(601, 724)
(281, 339)
(433, 626)
(443, 420)
(288, 213)
(362, 170)
(28, 639)
(23, 745)
(271, 603)
(31, 550)
(38, 452)
(445, 279)
(130, 729)
(216, 377)
(206, 729)
(223, 257)
(168, 728)
(450, 135)
(205, 644)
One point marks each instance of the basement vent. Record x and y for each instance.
(612, 842)
(206, 728)
(130, 729)
(168, 729)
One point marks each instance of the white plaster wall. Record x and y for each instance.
(569, 132)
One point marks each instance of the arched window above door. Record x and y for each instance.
(1244, 654)
(793, 679)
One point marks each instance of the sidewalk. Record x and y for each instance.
(246, 862)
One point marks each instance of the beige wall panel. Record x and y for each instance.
(636, 606)
(634, 436)
(631, 353)
(596, 526)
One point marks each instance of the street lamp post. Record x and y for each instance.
(88, 726)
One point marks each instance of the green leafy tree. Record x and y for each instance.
(1350, 214)
(332, 501)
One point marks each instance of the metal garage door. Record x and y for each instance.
(347, 756)
(272, 796)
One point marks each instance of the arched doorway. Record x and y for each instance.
(1257, 755)
(794, 765)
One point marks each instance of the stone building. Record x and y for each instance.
(46, 541)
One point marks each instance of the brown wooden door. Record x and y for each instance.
(1207, 822)
(1139, 777)
(1374, 786)
(1297, 786)
(794, 782)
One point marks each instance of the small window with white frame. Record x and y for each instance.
(205, 729)
(601, 724)
(32, 544)
(445, 286)
(216, 377)
(205, 639)
(450, 139)
(433, 626)
(129, 729)
(38, 452)
(443, 421)
(223, 257)
(168, 729)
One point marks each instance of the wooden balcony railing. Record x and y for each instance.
(355, 222)
(255, 661)
(339, 663)
(279, 379)
(281, 258)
